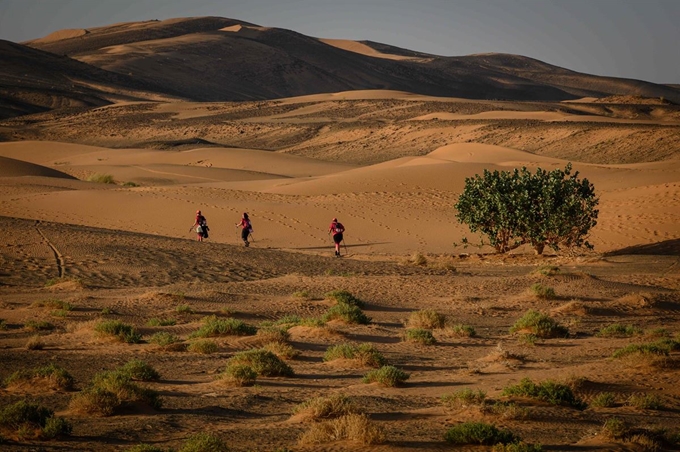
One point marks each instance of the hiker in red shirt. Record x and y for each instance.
(201, 225)
(246, 228)
(336, 228)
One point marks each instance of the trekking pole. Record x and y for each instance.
(252, 237)
(345, 245)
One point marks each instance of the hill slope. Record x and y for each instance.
(217, 59)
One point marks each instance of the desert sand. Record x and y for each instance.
(389, 165)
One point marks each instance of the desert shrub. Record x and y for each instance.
(119, 330)
(347, 313)
(95, 400)
(543, 292)
(38, 325)
(479, 433)
(54, 304)
(388, 376)
(204, 442)
(461, 330)
(604, 400)
(29, 419)
(614, 428)
(161, 322)
(239, 375)
(34, 342)
(3, 325)
(101, 178)
(130, 184)
(223, 327)
(464, 397)
(263, 362)
(184, 309)
(56, 427)
(364, 354)
(287, 321)
(657, 333)
(420, 335)
(164, 339)
(106, 311)
(304, 294)
(417, 258)
(312, 322)
(283, 351)
(548, 391)
(344, 297)
(507, 410)
(519, 446)
(203, 347)
(654, 354)
(52, 374)
(137, 369)
(351, 427)
(333, 406)
(646, 401)
(273, 334)
(539, 324)
(426, 318)
(618, 330)
(59, 313)
(549, 208)
(547, 270)
(528, 339)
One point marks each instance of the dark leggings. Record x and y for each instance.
(244, 234)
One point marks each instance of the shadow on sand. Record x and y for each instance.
(665, 248)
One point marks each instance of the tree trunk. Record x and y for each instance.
(538, 248)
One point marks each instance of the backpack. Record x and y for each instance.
(339, 228)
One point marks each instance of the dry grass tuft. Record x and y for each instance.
(333, 406)
(283, 351)
(427, 319)
(352, 427)
(574, 307)
(640, 300)
(35, 343)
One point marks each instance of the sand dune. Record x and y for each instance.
(15, 168)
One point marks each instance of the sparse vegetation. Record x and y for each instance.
(388, 376)
(3, 325)
(547, 270)
(146, 448)
(506, 410)
(283, 351)
(33, 421)
(427, 319)
(263, 362)
(333, 406)
(273, 334)
(420, 335)
(166, 340)
(184, 309)
(517, 447)
(54, 304)
(214, 327)
(604, 400)
(464, 397)
(364, 354)
(344, 297)
(101, 178)
(119, 330)
(203, 346)
(304, 294)
(541, 325)
(655, 354)
(548, 391)
(646, 402)
(461, 330)
(136, 369)
(417, 258)
(351, 427)
(51, 374)
(618, 330)
(35, 342)
(543, 292)
(347, 313)
(161, 322)
(204, 442)
(38, 325)
(239, 375)
(479, 433)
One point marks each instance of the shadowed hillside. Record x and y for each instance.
(218, 59)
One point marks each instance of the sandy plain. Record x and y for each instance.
(390, 166)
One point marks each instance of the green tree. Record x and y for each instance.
(549, 208)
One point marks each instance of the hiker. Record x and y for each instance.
(201, 225)
(337, 229)
(246, 228)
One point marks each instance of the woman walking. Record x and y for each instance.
(246, 228)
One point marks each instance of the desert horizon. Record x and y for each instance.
(122, 133)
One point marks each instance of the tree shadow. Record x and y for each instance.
(665, 248)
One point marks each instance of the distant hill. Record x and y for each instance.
(33, 80)
(219, 59)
